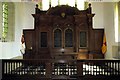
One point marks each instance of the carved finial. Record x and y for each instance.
(76, 3)
(36, 5)
(49, 3)
(89, 5)
(89, 8)
(37, 10)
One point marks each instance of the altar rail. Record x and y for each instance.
(60, 69)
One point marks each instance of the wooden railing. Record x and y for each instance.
(99, 69)
(60, 69)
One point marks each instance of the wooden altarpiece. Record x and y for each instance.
(63, 32)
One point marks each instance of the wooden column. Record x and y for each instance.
(79, 69)
(48, 68)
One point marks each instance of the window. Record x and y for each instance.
(57, 38)
(68, 38)
(43, 39)
(116, 22)
(4, 20)
(8, 22)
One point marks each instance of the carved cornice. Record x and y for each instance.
(63, 9)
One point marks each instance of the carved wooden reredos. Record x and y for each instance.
(62, 30)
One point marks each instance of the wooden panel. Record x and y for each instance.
(43, 39)
(50, 44)
(83, 39)
(57, 38)
(96, 56)
(28, 35)
(68, 38)
(83, 56)
(98, 39)
(29, 44)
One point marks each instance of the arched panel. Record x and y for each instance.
(68, 38)
(57, 38)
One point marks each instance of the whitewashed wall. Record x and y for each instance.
(23, 20)
(98, 9)
(109, 27)
(104, 18)
(28, 20)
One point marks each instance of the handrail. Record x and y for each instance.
(50, 68)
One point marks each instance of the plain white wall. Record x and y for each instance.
(109, 27)
(98, 9)
(104, 18)
(29, 8)
(7, 50)
(23, 20)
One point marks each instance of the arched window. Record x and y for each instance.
(68, 38)
(8, 21)
(57, 38)
(4, 20)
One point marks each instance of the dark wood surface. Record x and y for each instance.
(61, 69)
(77, 21)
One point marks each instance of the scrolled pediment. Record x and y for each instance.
(63, 10)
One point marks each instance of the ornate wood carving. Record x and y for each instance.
(62, 17)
